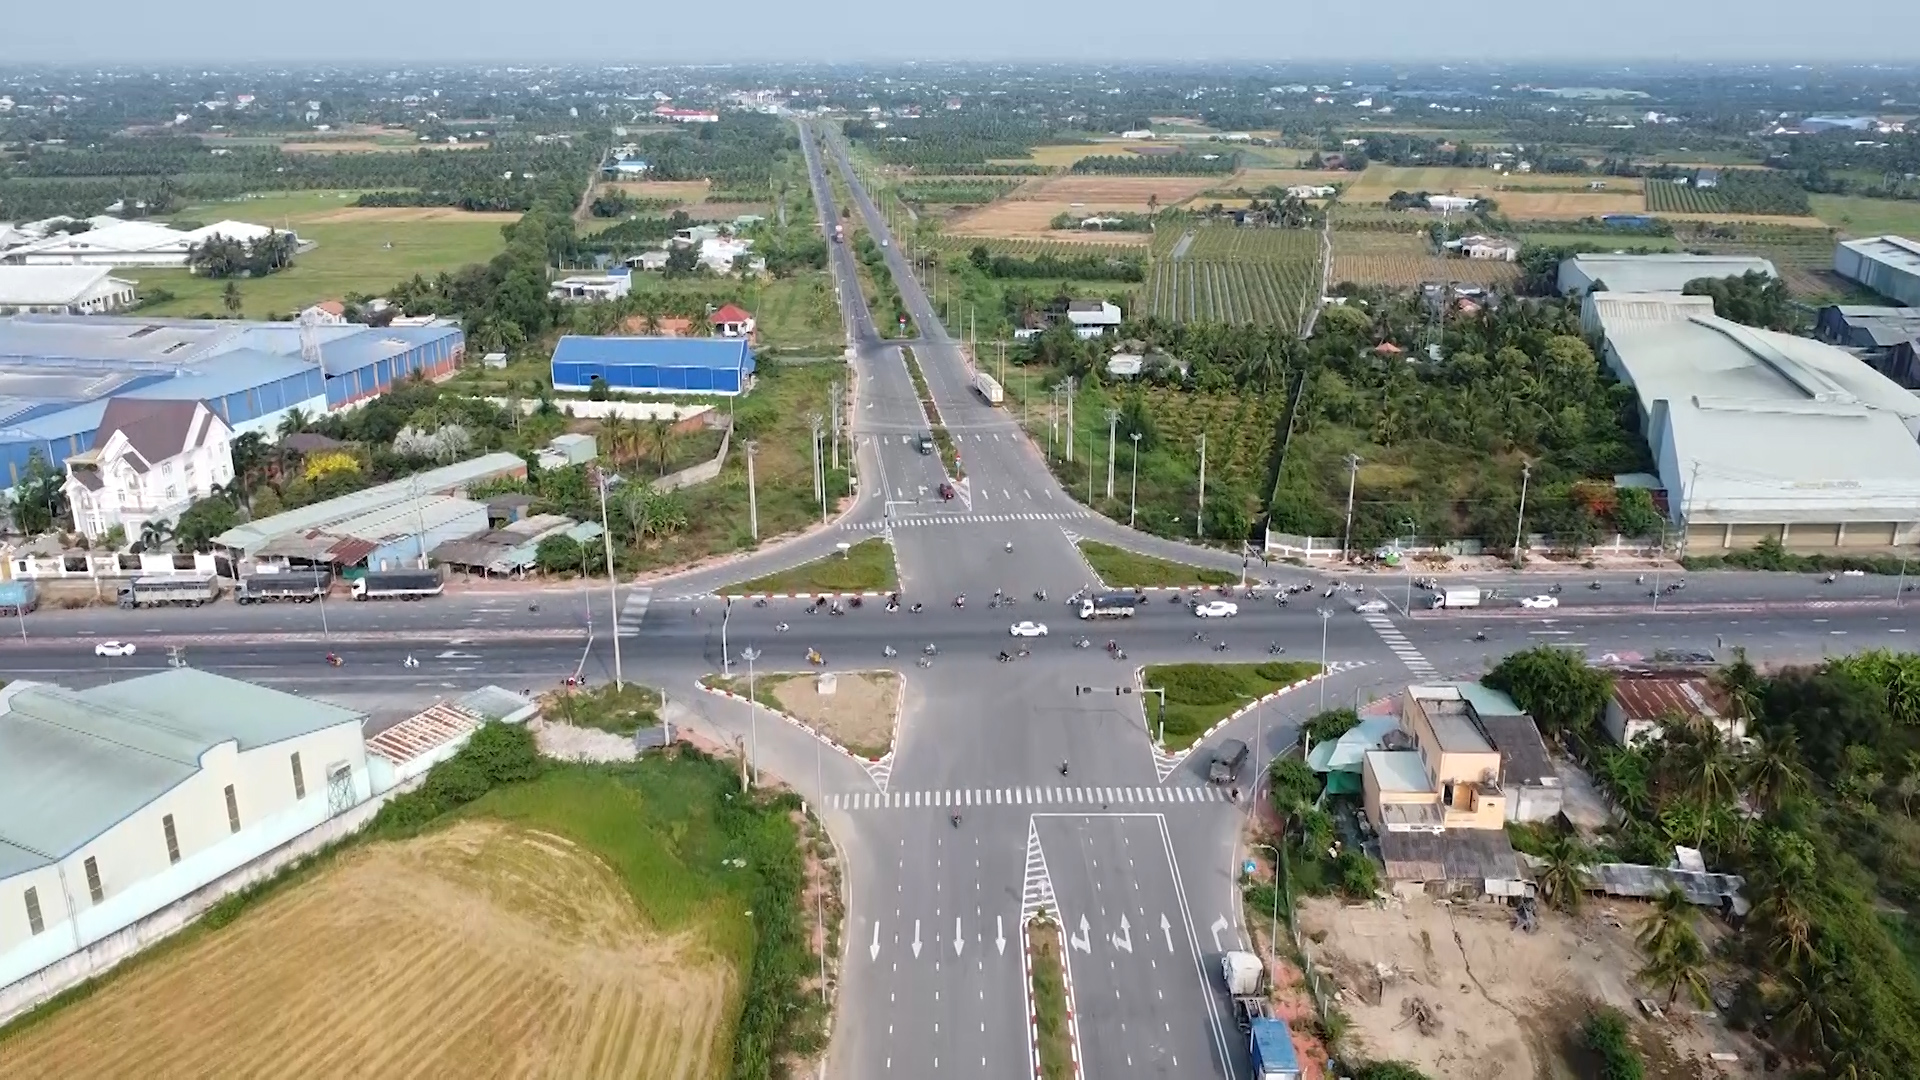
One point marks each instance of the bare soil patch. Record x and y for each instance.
(860, 714)
(1570, 205)
(349, 215)
(686, 191)
(363, 146)
(480, 951)
(1506, 1000)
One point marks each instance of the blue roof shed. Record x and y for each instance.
(654, 365)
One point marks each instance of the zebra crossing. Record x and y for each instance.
(1024, 796)
(915, 521)
(633, 610)
(1402, 648)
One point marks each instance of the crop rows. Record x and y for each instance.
(1239, 429)
(1234, 243)
(1666, 197)
(1027, 248)
(1204, 290)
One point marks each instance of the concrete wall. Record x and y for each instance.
(594, 410)
(1290, 545)
(698, 474)
(1534, 803)
(81, 565)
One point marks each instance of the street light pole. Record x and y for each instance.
(1326, 616)
(1520, 523)
(1273, 934)
(1133, 497)
(1353, 480)
(613, 586)
(1200, 518)
(1406, 554)
(753, 495)
(1899, 587)
(750, 654)
(1113, 425)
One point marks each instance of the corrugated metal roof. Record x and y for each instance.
(1662, 272)
(330, 514)
(1653, 697)
(1398, 770)
(725, 354)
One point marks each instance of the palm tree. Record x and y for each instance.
(1771, 772)
(612, 435)
(1810, 1020)
(1670, 920)
(1563, 881)
(154, 535)
(231, 298)
(1681, 966)
(294, 422)
(1701, 761)
(660, 434)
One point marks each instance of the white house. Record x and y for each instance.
(1137, 133)
(1093, 318)
(120, 800)
(1486, 247)
(325, 313)
(1312, 191)
(62, 290)
(732, 321)
(586, 288)
(1451, 203)
(151, 459)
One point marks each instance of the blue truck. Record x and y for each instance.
(1271, 1046)
(18, 597)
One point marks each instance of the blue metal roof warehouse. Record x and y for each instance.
(654, 365)
(58, 372)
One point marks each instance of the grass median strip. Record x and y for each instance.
(1201, 695)
(949, 456)
(860, 711)
(865, 567)
(1123, 569)
(1050, 1007)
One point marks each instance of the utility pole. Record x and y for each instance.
(613, 585)
(1353, 478)
(1070, 431)
(753, 495)
(1520, 525)
(814, 420)
(1200, 518)
(836, 424)
(1133, 497)
(1113, 425)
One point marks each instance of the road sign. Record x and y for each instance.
(1248, 867)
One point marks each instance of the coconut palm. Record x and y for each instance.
(1701, 762)
(1810, 1019)
(1671, 920)
(660, 435)
(1771, 772)
(294, 422)
(154, 535)
(1563, 881)
(1680, 966)
(612, 436)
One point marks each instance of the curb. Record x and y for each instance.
(1033, 1011)
(1139, 680)
(1617, 610)
(803, 725)
(802, 596)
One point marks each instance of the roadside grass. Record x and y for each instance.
(1857, 216)
(1201, 695)
(1050, 999)
(622, 711)
(865, 567)
(1123, 569)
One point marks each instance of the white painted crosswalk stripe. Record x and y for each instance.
(633, 610)
(921, 521)
(1074, 796)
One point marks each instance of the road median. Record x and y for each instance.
(1053, 1029)
(1202, 697)
(1118, 568)
(865, 568)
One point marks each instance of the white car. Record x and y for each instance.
(1029, 629)
(1371, 607)
(1217, 609)
(1539, 601)
(114, 648)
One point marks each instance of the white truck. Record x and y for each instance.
(1114, 605)
(399, 585)
(183, 591)
(988, 388)
(1454, 598)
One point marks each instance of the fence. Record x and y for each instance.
(1287, 545)
(701, 473)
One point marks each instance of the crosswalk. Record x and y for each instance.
(920, 521)
(633, 610)
(1025, 796)
(1401, 647)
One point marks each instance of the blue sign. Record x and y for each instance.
(1249, 867)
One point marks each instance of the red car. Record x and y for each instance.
(946, 491)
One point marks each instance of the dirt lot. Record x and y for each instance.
(862, 714)
(1506, 999)
(355, 215)
(1027, 212)
(480, 951)
(686, 191)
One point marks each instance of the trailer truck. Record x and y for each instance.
(1270, 1045)
(294, 586)
(18, 597)
(1119, 605)
(1452, 598)
(399, 585)
(185, 591)
(988, 388)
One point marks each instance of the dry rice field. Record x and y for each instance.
(685, 191)
(1028, 212)
(1570, 205)
(1380, 181)
(1405, 260)
(1061, 157)
(1751, 219)
(354, 215)
(479, 951)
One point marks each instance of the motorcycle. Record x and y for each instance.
(1554, 588)
(1220, 646)
(780, 628)
(1593, 585)
(1275, 650)
(1040, 595)
(815, 658)
(1174, 599)
(960, 601)
(1004, 657)
(410, 662)
(1063, 768)
(1479, 635)
(334, 660)
(856, 601)
(836, 610)
(930, 650)
(1119, 654)
(1083, 643)
(889, 652)
(762, 602)
(993, 603)
(574, 680)
(956, 821)
(917, 608)
(924, 662)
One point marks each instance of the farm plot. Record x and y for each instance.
(679, 191)
(481, 950)
(1406, 260)
(1666, 197)
(1557, 205)
(1205, 290)
(1236, 244)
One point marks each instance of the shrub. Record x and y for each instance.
(1606, 1035)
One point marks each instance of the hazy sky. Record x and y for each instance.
(137, 32)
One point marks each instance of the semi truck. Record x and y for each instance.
(295, 586)
(988, 387)
(18, 597)
(1109, 606)
(399, 585)
(1269, 1043)
(1452, 598)
(183, 591)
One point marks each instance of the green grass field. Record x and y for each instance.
(1123, 569)
(865, 567)
(1607, 241)
(1856, 216)
(351, 256)
(1201, 695)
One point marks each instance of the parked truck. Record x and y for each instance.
(1452, 598)
(18, 597)
(988, 387)
(1270, 1045)
(183, 591)
(399, 585)
(295, 586)
(1227, 762)
(1119, 605)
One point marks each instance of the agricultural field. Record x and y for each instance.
(1857, 217)
(1259, 179)
(1406, 260)
(1804, 256)
(685, 192)
(358, 249)
(1531, 195)
(1063, 244)
(1028, 212)
(1236, 275)
(1616, 241)
(1570, 206)
(1665, 197)
(484, 949)
(1062, 157)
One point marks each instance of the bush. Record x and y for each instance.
(495, 754)
(1606, 1035)
(1359, 878)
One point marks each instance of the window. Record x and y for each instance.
(173, 839)
(94, 888)
(299, 780)
(34, 922)
(233, 811)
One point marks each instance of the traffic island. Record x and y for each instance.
(617, 710)
(1201, 697)
(857, 711)
(866, 568)
(1118, 568)
(1053, 1030)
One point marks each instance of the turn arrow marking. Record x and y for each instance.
(1124, 939)
(1082, 940)
(1220, 923)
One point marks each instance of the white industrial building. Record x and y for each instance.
(119, 800)
(62, 290)
(1664, 272)
(1889, 265)
(113, 242)
(1757, 434)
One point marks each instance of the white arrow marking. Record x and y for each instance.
(1124, 939)
(959, 937)
(451, 654)
(1220, 924)
(1081, 940)
(1000, 934)
(1167, 929)
(916, 938)
(873, 950)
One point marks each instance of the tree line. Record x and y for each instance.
(1057, 267)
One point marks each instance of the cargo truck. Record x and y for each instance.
(399, 585)
(1227, 761)
(144, 592)
(1270, 1045)
(988, 388)
(18, 597)
(1451, 598)
(1109, 606)
(295, 586)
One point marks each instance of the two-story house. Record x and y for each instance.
(150, 460)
